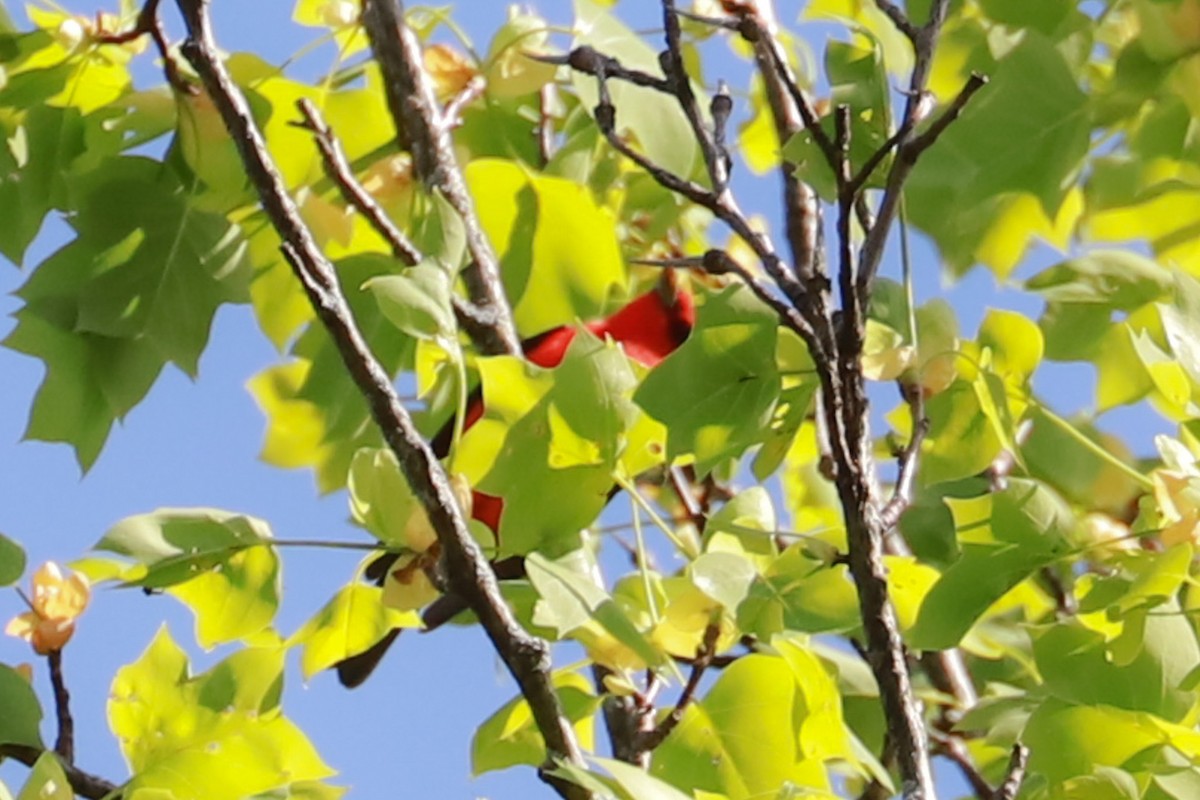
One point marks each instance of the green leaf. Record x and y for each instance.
(350, 623)
(1066, 741)
(570, 599)
(1015, 343)
(551, 433)
(1008, 144)
(725, 577)
(1079, 666)
(46, 780)
(962, 439)
(22, 711)
(1004, 537)
(91, 381)
(744, 737)
(800, 593)
(158, 268)
(511, 737)
(716, 392)
(34, 169)
(1113, 279)
(12, 561)
(218, 563)
(560, 260)
(216, 736)
(417, 301)
(745, 525)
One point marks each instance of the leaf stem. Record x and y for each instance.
(1094, 448)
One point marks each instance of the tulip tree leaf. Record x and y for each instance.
(218, 563)
(12, 561)
(716, 392)
(353, 620)
(22, 711)
(559, 258)
(1003, 537)
(1008, 143)
(510, 737)
(180, 733)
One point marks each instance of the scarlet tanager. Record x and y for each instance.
(650, 327)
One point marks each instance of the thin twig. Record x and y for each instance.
(951, 746)
(83, 784)
(452, 113)
(149, 24)
(421, 128)
(589, 61)
(1017, 764)
(526, 657)
(899, 19)
(339, 171)
(64, 744)
(724, 209)
(909, 458)
(909, 150)
(680, 83)
(547, 97)
(650, 740)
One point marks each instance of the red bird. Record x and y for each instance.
(649, 327)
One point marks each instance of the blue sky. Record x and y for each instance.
(405, 733)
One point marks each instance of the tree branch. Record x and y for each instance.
(908, 150)
(82, 783)
(651, 739)
(470, 575)
(64, 744)
(1017, 763)
(422, 129)
(339, 171)
(680, 84)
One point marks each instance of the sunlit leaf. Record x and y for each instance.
(218, 563)
(716, 392)
(46, 780)
(353, 620)
(559, 258)
(181, 733)
(510, 737)
(743, 737)
(1003, 537)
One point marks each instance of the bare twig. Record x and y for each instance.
(84, 784)
(470, 575)
(64, 744)
(421, 128)
(452, 113)
(340, 172)
(724, 208)
(683, 491)
(649, 740)
(547, 97)
(1017, 763)
(908, 150)
(681, 86)
(909, 457)
(149, 24)
(589, 61)
(720, 109)
(899, 19)
(952, 747)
